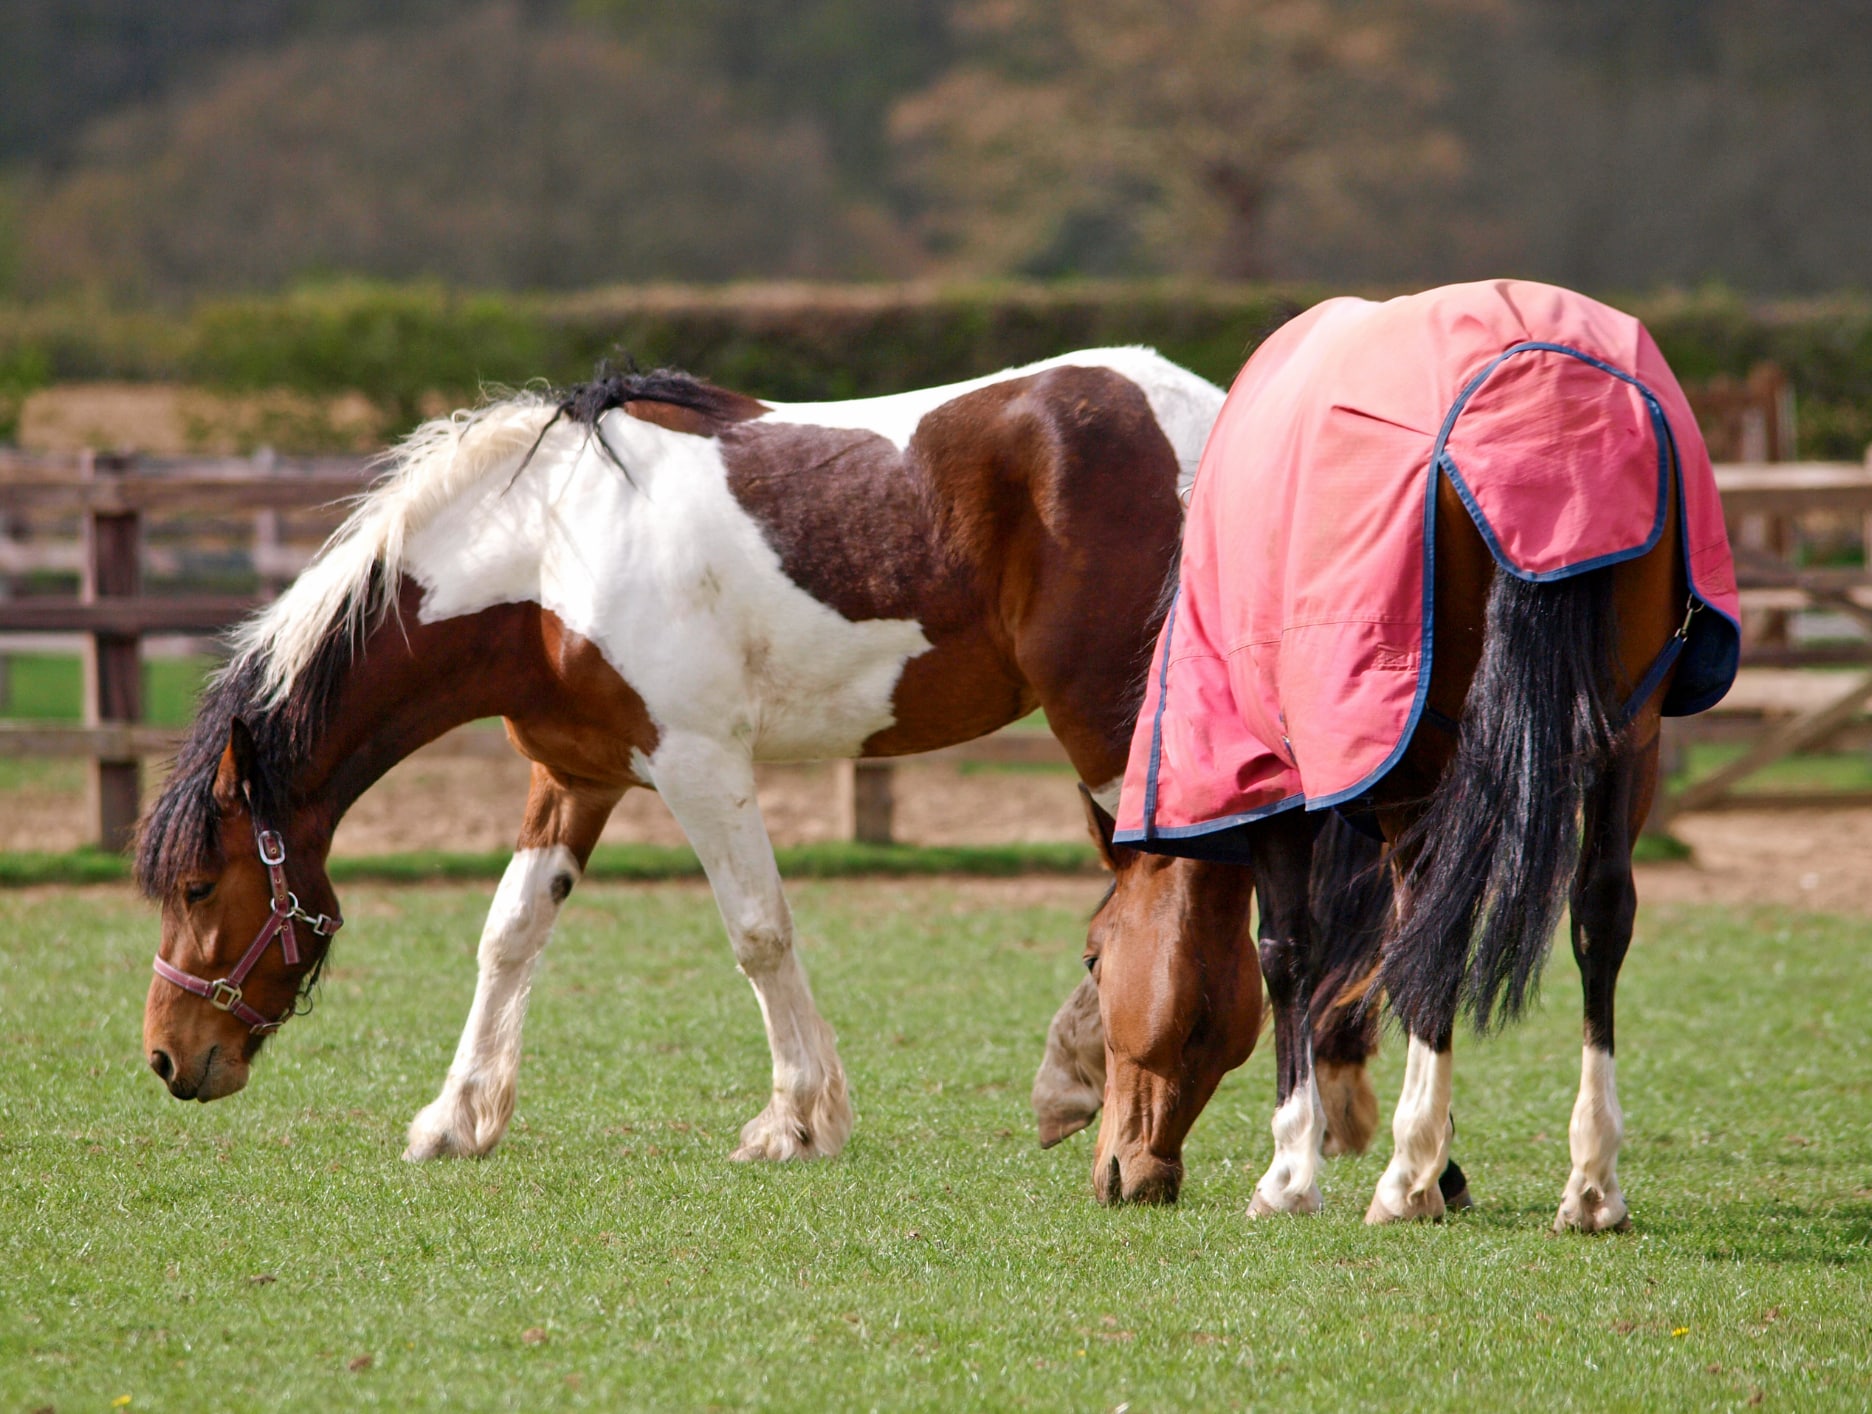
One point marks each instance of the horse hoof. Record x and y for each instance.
(1455, 1189)
(1306, 1205)
(1055, 1128)
(1417, 1208)
(1588, 1208)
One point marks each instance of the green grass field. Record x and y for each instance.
(272, 1251)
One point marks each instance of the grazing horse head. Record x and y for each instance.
(1179, 993)
(247, 917)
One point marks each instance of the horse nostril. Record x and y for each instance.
(162, 1065)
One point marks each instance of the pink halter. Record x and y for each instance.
(225, 994)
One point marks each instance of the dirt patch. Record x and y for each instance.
(1808, 859)
(474, 805)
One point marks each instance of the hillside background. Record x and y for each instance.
(155, 154)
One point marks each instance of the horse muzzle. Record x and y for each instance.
(212, 1076)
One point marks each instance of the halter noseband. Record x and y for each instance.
(225, 994)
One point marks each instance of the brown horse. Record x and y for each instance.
(658, 583)
(1513, 772)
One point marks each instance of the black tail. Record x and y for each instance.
(1350, 899)
(1495, 851)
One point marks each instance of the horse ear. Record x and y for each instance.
(236, 771)
(1101, 827)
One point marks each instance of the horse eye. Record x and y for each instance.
(1091, 961)
(195, 893)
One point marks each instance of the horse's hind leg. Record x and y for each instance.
(1604, 905)
(1420, 1182)
(709, 788)
(1283, 851)
(1351, 906)
(563, 822)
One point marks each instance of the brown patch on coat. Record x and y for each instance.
(697, 422)
(1028, 529)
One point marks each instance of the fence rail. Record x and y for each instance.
(109, 498)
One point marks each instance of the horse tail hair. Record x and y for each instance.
(1350, 898)
(1491, 860)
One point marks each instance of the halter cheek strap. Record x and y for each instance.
(225, 993)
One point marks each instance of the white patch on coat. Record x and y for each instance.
(1421, 1133)
(470, 1115)
(1592, 1201)
(1291, 1183)
(1184, 405)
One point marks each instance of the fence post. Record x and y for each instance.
(113, 661)
(8, 532)
(266, 535)
(866, 801)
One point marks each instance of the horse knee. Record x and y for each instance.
(761, 944)
(1283, 964)
(525, 908)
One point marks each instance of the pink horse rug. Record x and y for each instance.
(1293, 664)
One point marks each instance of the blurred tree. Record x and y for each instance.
(840, 63)
(1245, 138)
(65, 62)
(486, 151)
(1684, 141)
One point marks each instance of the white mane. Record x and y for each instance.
(434, 464)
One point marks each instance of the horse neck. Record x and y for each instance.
(409, 683)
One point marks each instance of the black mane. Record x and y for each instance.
(181, 832)
(611, 387)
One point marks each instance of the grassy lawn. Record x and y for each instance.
(272, 1250)
(1833, 770)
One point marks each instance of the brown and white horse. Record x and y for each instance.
(659, 583)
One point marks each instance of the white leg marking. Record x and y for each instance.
(470, 1115)
(1420, 1132)
(709, 788)
(1291, 1184)
(1592, 1201)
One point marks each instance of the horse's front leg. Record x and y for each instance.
(1605, 902)
(709, 788)
(1283, 854)
(563, 822)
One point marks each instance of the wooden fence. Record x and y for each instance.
(107, 501)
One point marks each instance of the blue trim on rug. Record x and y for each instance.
(1426, 646)
(1163, 696)
(1716, 659)
(1223, 841)
(1660, 433)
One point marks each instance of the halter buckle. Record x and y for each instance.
(224, 996)
(272, 848)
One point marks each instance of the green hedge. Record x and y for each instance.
(404, 345)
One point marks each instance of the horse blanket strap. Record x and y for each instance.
(1660, 667)
(1297, 664)
(225, 992)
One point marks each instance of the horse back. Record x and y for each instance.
(1027, 528)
